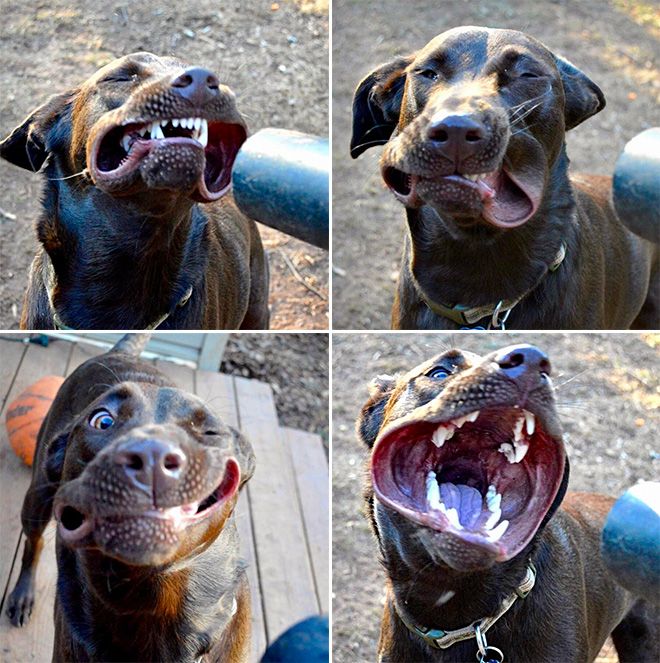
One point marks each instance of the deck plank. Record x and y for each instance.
(10, 359)
(33, 643)
(217, 390)
(311, 473)
(285, 572)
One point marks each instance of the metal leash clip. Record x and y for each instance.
(495, 322)
(482, 655)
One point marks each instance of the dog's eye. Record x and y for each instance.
(211, 432)
(428, 73)
(528, 74)
(439, 373)
(101, 419)
(119, 78)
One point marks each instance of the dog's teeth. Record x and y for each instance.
(530, 422)
(197, 123)
(441, 434)
(493, 499)
(521, 450)
(175, 122)
(517, 429)
(204, 134)
(156, 132)
(460, 421)
(452, 517)
(493, 519)
(496, 534)
(433, 491)
(126, 143)
(190, 123)
(508, 451)
(473, 417)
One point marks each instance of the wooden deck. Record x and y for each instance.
(283, 516)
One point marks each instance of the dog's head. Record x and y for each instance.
(467, 458)
(147, 474)
(140, 123)
(478, 118)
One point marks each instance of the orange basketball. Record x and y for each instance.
(27, 411)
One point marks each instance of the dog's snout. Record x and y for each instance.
(458, 136)
(150, 462)
(522, 360)
(197, 85)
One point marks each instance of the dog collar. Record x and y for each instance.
(498, 313)
(57, 321)
(440, 639)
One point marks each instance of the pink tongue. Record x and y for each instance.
(466, 500)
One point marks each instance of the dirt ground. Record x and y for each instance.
(608, 390)
(296, 366)
(273, 55)
(614, 41)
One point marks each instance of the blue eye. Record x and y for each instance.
(101, 419)
(438, 372)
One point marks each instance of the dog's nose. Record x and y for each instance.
(151, 463)
(457, 136)
(197, 85)
(519, 360)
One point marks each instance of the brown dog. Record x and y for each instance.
(474, 125)
(124, 245)
(467, 474)
(142, 479)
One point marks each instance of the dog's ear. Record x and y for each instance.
(377, 104)
(245, 455)
(28, 145)
(583, 97)
(371, 416)
(54, 463)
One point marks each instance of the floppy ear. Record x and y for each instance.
(371, 417)
(583, 97)
(245, 455)
(27, 145)
(377, 104)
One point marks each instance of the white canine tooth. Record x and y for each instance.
(508, 451)
(473, 417)
(517, 429)
(441, 434)
(126, 142)
(493, 519)
(175, 122)
(530, 422)
(197, 123)
(521, 450)
(452, 517)
(204, 134)
(157, 132)
(433, 491)
(496, 534)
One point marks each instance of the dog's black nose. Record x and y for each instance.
(518, 360)
(151, 462)
(197, 85)
(457, 136)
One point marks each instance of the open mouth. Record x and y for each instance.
(75, 525)
(499, 196)
(119, 151)
(486, 478)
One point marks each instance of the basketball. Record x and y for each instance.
(26, 412)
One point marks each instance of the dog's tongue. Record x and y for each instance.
(465, 500)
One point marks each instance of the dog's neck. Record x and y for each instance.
(123, 268)
(489, 267)
(432, 594)
(153, 612)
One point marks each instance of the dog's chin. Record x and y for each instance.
(478, 484)
(153, 536)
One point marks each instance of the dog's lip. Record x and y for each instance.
(484, 184)
(178, 517)
(411, 501)
(235, 129)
